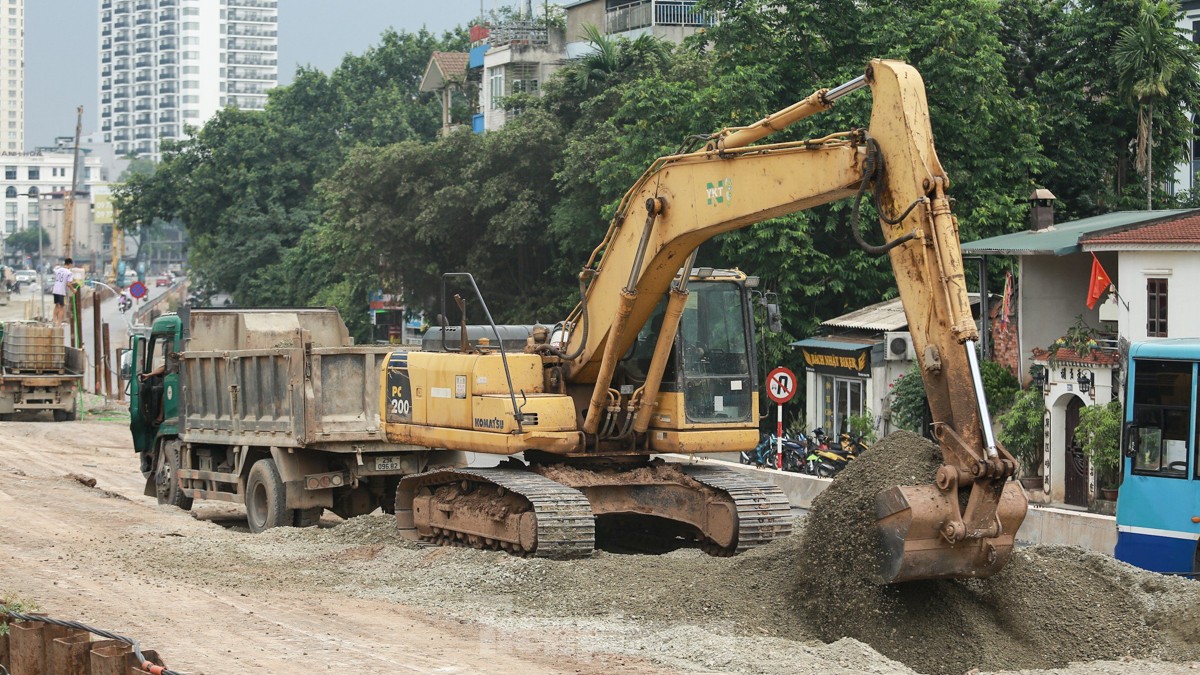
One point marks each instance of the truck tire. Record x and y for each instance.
(266, 503)
(166, 476)
(64, 415)
(308, 517)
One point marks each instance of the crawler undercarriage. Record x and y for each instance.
(559, 510)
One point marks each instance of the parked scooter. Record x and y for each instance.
(764, 455)
(826, 460)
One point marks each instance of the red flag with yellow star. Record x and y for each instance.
(1098, 284)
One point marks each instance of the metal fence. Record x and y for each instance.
(657, 13)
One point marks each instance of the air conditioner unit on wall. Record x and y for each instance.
(898, 347)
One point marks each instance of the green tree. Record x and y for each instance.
(1099, 430)
(1022, 429)
(26, 241)
(1149, 55)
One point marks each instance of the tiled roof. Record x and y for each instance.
(1097, 357)
(452, 64)
(1185, 230)
(445, 68)
(1064, 238)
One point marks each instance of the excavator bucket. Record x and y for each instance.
(910, 520)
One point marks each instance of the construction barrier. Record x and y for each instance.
(35, 647)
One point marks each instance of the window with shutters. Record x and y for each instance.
(1156, 308)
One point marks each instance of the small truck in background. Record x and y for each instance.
(38, 371)
(275, 409)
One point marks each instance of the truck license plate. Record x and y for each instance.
(387, 463)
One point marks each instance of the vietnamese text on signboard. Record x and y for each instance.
(856, 363)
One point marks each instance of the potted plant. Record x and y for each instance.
(1022, 432)
(1099, 436)
(1079, 338)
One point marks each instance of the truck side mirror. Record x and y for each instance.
(774, 319)
(1131, 440)
(127, 365)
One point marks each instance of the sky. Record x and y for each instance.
(62, 47)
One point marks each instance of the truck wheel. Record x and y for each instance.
(166, 477)
(308, 517)
(265, 498)
(64, 415)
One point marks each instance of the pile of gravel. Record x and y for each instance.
(1049, 605)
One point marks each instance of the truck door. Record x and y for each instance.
(143, 435)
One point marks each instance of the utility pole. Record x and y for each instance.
(69, 214)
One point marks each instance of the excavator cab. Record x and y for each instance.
(712, 363)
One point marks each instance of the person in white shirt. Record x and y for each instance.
(62, 284)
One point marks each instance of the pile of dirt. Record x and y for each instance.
(1049, 605)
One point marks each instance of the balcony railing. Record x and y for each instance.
(247, 15)
(166, 59)
(259, 4)
(252, 60)
(524, 32)
(656, 13)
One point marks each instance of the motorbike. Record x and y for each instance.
(124, 303)
(826, 460)
(764, 455)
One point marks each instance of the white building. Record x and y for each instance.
(12, 84)
(28, 176)
(1153, 261)
(670, 20)
(165, 64)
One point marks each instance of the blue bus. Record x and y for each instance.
(1158, 506)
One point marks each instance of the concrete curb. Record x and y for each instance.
(1043, 524)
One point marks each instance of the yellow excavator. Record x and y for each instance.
(657, 358)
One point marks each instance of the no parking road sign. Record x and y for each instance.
(137, 289)
(781, 385)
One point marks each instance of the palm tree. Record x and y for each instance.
(1148, 55)
(611, 56)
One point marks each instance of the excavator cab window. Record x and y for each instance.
(713, 347)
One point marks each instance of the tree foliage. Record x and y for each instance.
(343, 185)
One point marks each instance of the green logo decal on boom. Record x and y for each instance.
(720, 193)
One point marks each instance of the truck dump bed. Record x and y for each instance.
(284, 378)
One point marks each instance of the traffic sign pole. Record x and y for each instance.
(781, 387)
(779, 438)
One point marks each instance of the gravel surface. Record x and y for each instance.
(795, 606)
(1048, 607)
(761, 612)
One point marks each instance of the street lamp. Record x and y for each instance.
(1087, 382)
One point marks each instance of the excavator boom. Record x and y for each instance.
(730, 184)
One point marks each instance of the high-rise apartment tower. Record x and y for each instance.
(12, 85)
(165, 64)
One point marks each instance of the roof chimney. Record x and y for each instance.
(1041, 209)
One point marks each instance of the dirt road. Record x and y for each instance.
(211, 598)
(76, 552)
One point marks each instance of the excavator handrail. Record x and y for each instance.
(517, 414)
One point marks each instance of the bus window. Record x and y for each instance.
(1161, 418)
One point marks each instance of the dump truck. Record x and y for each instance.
(276, 409)
(38, 372)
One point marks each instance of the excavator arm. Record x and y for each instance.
(964, 524)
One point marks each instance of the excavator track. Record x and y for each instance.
(562, 526)
(763, 511)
